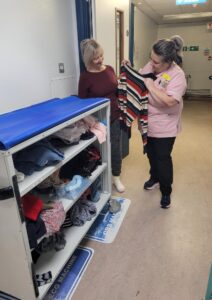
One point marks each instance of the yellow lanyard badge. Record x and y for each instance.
(165, 80)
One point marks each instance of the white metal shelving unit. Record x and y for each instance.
(17, 269)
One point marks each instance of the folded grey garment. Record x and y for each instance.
(59, 241)
(79, 220)
(85, 214)
(73, 211)
(71, 134)
(115, 206)
(76, 216)
(56, 241)
(81, 212)
(46, 244)
(89, 205)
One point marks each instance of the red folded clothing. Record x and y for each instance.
(32, 206)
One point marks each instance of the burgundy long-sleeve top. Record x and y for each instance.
(100, 84)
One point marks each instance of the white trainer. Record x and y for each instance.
(118, 184)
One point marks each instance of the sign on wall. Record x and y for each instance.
(209, 25)
(206, 52)
(191, 48)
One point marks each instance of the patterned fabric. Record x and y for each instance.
(53, 218)
(133, 99)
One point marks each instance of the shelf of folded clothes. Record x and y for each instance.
(70, 197)
(45, 208)
(37, 177)
(73, 236)
(70, 192)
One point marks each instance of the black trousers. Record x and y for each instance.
(116, 151)
(161, 167)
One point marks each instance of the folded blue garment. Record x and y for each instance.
(36, 157)
(75, 183)
(74, 188)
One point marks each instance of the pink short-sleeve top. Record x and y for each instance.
(164, 121)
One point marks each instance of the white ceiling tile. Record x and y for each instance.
(156, 9)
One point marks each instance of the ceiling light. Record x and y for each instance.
(186, 16)
(191, 2)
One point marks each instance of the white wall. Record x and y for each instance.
(194, 63)
(36, 36)
(145, 34)
(105, 27)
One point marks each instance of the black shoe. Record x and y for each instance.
(165, 201)
(151, 184)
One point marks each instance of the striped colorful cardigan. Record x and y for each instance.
(133, 99)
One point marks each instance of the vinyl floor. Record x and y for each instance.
(160, 254)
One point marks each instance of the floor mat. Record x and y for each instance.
(69, 278)
(107, 224)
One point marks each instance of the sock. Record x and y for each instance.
(118, 184)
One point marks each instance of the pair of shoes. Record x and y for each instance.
(165, 201)
(118, 184)
(151, 184)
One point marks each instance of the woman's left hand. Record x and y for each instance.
(126, 62)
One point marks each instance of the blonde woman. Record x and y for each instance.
(99, 80)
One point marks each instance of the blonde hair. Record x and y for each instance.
(88, 49)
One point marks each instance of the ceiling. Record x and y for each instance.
(166, 11)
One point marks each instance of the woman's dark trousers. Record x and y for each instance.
(161, 167)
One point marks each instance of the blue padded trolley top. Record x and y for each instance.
(22, 124)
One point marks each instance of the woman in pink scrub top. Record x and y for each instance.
(164, 114)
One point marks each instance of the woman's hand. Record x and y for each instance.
(126, 62)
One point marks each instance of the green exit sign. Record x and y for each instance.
(191, 48)
(194, 48)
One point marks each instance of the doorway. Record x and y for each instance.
(84, 23)
(131, 30)
(119, 21)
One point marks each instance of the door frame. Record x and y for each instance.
(131, 32)
(121, 37)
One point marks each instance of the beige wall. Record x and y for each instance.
(145, 34)
(194, 63)
(105, 27)
(36, 36)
